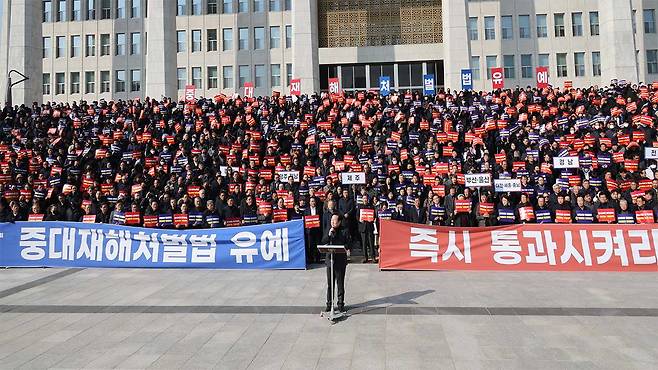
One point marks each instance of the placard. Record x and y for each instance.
(285, 175)
(428, 85)
(497, 78)
(296, 87)
(566, 162)
(507, 185)
(249, 89)
(467, 79)
(475, 180)
(349, 178)
(384, 85)
(542, 77)
(190, 92)
(650, 153)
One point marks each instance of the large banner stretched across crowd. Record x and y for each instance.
(72, 244)
(525, 247)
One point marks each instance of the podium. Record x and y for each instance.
(334, 314)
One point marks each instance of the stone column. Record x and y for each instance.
(305, 45)
(455, 42)
(161, 50)
(617, 41)
(20, 49)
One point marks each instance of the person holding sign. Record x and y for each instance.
(337, 235)
(313, 230)
(367, 229)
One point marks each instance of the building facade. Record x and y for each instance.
(120, 49)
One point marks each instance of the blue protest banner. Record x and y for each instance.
(428, 85)
(384, 85)
(467, 79)
(73, 244)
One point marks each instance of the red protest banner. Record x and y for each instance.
(366, 215)
(311, 222)
(524, 247)
(497, 78)
(542, 77)
(296, 87)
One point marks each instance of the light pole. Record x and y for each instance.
(10, 84)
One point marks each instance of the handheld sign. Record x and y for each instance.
(650, 153)
(285, 175)
(428, 85)
(542, 77)
(190, 91)
(467, 79)
(249, 89)
(497, 78)
(334, 86)
(475, 180)
(566, 162)
(348, 178)
(296, 87)
(507, 185)
(384, 85)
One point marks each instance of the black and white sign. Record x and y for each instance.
(651, 153)
(285, 175)
(349, 178)
(475, 180)
(507, 185)
(566, 162)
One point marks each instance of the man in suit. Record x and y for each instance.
(314, 235)
(367, 231)
(337, 235)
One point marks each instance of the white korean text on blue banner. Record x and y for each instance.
(72, 244)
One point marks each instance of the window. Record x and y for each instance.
(227, 6)
(227, 77)
(275, 37)
(596, 63)
(45, 83)
(60, 87)
(259, 6)
(90, 50)
(473, 28)
(526, 65)
(106, 9)
(543, 61)
(559, 24)
(196, 40)
(561, 59)
(508, 66)
(243, 6)
(46, 16)
(61, 11)
(634, 20)
(243, 39)
(181, 78)
(524, 26)
(135, 43)
(507, 27)
(259, 38)
(275, 74)
(542, 26)
(120, 44)
(475, 67)
(76, 10)
(105, 81)
(196, 77)
(75, 82)
(287, 4)
(649, 20)
(90, 82)
(196, 7)
(579, 64)
(135, 79)
(76, 46)
(652, 61)
(243, 75)
(180, 7)
(119, 80)
(491, 63)
(180, 41)
(105, 44)
(45, 47)
(135, 10)
(577, 23)
(61, 48)
(91, 10)
(259, 75)
(275, 5)
(211, 7)
(121, 9)
(594, 23)
(213, 77)
(288, 36)
(211, 35)
(288, 73)
(227, 39)
(489, 28)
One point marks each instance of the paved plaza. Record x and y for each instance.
(193, 319)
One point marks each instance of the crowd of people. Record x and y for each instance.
(227, 160)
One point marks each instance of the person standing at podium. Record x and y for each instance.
(337, 235)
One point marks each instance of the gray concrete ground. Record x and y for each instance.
(193, 319)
